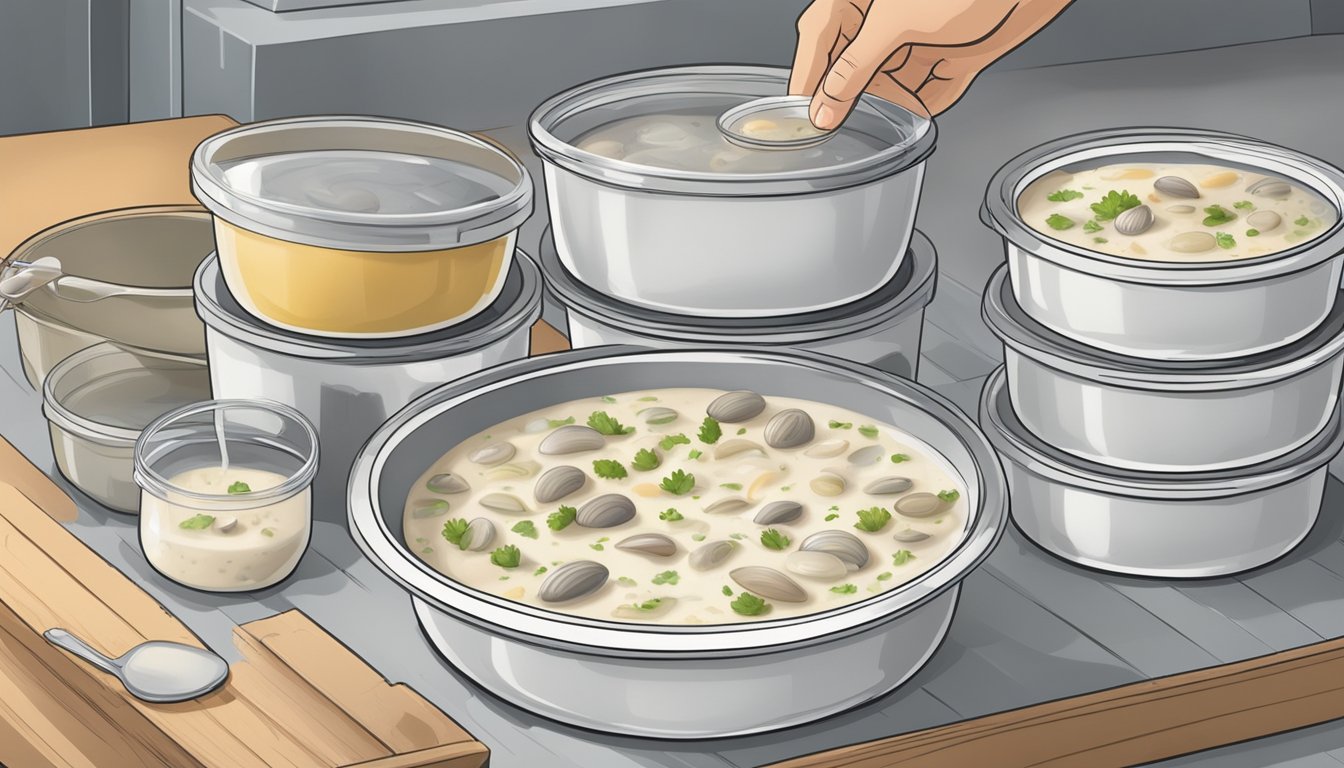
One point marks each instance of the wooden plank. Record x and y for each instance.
(1130, 725)
(32, 482)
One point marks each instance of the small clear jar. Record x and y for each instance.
(225, 493)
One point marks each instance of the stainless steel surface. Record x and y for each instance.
(1193, 525)
(348, 387)
(158, 671)
(882, 329)
(1166, 417)
(1168, 310)
(674, 681)
(726, 245)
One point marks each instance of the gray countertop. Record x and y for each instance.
(1029, 627)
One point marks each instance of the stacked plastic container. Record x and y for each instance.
(1161, 418)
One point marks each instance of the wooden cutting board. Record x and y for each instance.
(297, 698)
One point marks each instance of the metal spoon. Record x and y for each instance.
(157, 671)
(24, 278)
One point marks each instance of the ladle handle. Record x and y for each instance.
(62, 639)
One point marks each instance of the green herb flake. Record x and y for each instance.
(667, 577)
(609, 469)
(540, 570)
(742, 431)
(902, 557)
(678, 483)
(648, 605)
(831, 517)
(561, 518)
(671, 515)
(1243, 205)
(1302, 221)
(710, 432)
(844, 589)
(425, 551)
(506, 556)
(773, 539)
(1217, 214)
(833, 508)
(454, 530)
(949, 496)
(1091, 226)
(1114, 203)
(737, 536)
(503, 578)
(727, 591)
(1059, 222)
(270, 534)
(608, 399)
(557, 423)
(645, 460)
(840, 424)
(625, 581)
(606, 425)
(1064, 196)
(868, 431)
(697, 537)
(598, 545)
(1100, 240)
(731, 486)
(671, 441)
(748, 604)
(694, 454)
(1252, 233)
(884, 576)
(525, 528)
(1225, 241)
(873, 519)
(239, 487)
(648, 399)
(197, 522)
(899, 458)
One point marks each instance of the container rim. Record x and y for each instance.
(911, 151)
(1015, 443)
(607, 638)
(999, 211)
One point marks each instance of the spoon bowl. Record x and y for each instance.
(157, 671)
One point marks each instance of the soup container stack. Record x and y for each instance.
(665, 234)
(360, 262)
(1166, 418)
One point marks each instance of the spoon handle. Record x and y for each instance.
(62, 639)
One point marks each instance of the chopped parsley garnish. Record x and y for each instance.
(540, 570)
(240, 487)
(1225, 241)
(884, 576)
(773, 539)
(671, 441)
(671, 515)
(698, 536)
(831, 517)
(710, 432)
(525, 528)
(1100, 240)
(1217, 214)
(679, 483)
(557, 423)
(648, 399)
(611, 470)
(648, 605)
(645, 460)
(666, 577)
(949, 496)
(1114, 203)
(694, 454)
(197, 522)
(1091, 226)
(608, 399)
(844, 589)
(561, 518)
(727, 590)
(1302, 221)
(873, 519)
(737, 536)
(270, 534)
(868, 431)
(731, 486)
(506, 556)
(902, 557)
(748, 604)
(1064, 196)
(625, 581)
(840, 424)
(742, 431)
(599, 544)
(454, 530)
(897, 458)
(1243, 205)
(1059, 222)
(1252, 233)
(606, 425)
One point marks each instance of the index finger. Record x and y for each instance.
(817, 33)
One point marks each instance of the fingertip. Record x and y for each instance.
(825, 117)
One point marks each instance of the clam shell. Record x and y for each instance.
(649, 544)
(869, 455)
(1271, 188)
(423, 508)
(884, 486)
(727, 505)
(827, 449)
(919, 505)
(1134, 221)
(447, 483)
(657, 415)
(504, 503)
(571, 438)
(1181, 210)
(1175, 186)
(729, 448)
(492, 454)
(842, 544)
(1264, 220)
(513, 470)
(909, 535)
(479, 536)
(573, 580)
(768, 583)
(536, 426)
(816, 565)
(711, 554)
(736, 407)
(789, 428)
(558, 482)
(777, 512)
(606, 511)
(827, 484)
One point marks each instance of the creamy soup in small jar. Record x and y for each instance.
(1176, 212)
(687, 506)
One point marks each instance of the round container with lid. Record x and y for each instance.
(882, 329)
(1187, 416)
(99, 399)
(652, 205)
(346, 388)
(147, 255)
(361, 227)
(1189, 525)
(226, 503)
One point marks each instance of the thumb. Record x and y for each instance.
(847, 78)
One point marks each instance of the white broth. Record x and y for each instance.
(657, 469)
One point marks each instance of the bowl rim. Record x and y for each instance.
(999, 210)
(555, 630)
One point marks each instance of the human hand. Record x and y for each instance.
(920, 54)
